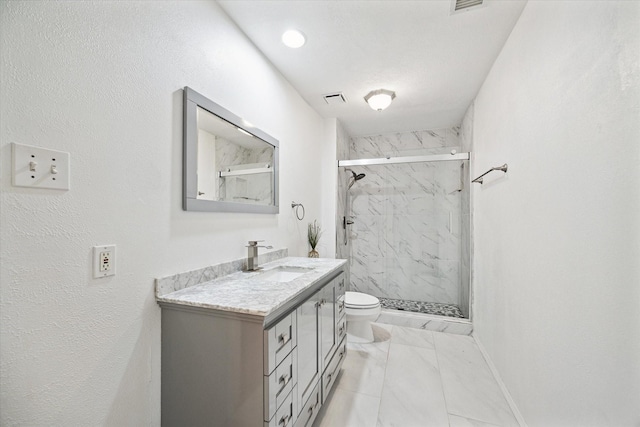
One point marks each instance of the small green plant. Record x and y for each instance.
(313, 234)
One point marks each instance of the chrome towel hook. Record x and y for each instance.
(296, 206)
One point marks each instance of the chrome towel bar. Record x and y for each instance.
(502, 168)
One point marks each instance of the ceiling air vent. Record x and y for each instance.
(335, 98)
(464, 5)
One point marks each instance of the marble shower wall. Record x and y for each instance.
(255, 188)
(406, 237)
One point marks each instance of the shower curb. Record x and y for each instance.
(450, 325)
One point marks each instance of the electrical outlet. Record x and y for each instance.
(104, 261)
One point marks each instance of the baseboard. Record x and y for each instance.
(505, 391)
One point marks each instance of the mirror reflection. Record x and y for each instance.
(233, 165)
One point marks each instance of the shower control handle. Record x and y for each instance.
(346, 222)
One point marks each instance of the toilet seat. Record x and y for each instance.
(360, 301)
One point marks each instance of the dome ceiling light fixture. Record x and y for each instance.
(380, 99)
(293, 39)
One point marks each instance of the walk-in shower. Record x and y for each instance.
(405, 228)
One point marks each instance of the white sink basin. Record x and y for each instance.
(283, 274)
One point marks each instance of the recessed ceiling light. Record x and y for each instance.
(293, 39)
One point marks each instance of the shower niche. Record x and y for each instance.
(404, 198)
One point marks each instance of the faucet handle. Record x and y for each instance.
(255, 242)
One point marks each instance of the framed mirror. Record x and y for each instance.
(228, 164)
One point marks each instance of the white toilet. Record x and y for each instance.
(361, 310)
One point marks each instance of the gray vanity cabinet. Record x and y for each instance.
(309, 357)
(327, 311)
(333, 332)
(230, 369)
(321, 339)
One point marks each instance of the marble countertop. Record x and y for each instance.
(245, 291)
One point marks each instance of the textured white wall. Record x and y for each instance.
(102, 80)
(557, 239)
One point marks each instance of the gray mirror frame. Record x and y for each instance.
(190, 202)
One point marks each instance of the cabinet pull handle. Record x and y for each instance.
(285, 379)
(284, 338)
(310, 412)
(284, 420)
(342, 283)
(341, 330)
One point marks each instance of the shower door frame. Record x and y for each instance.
(453, 156)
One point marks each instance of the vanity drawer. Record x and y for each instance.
(279, 340)
(310, 409)
(279, 384)
(285, 415)
(333, 369)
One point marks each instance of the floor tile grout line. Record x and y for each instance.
(384, 377)
(475, 419)
(444, 396)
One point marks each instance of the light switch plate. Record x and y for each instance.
(37, 167)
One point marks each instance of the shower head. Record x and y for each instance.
(355, 177)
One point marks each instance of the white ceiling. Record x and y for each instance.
(435, 61)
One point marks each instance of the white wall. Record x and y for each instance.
(329, 186)
(102, 80)
(557, 239)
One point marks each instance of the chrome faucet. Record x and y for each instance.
(252, 256)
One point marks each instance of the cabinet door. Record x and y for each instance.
(328, 336)
(308, 326)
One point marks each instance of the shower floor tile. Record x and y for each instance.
(436, 308)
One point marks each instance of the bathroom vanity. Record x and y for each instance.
(253, 348)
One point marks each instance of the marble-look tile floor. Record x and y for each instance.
(415, 378)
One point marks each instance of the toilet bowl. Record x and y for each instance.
(361, 309)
